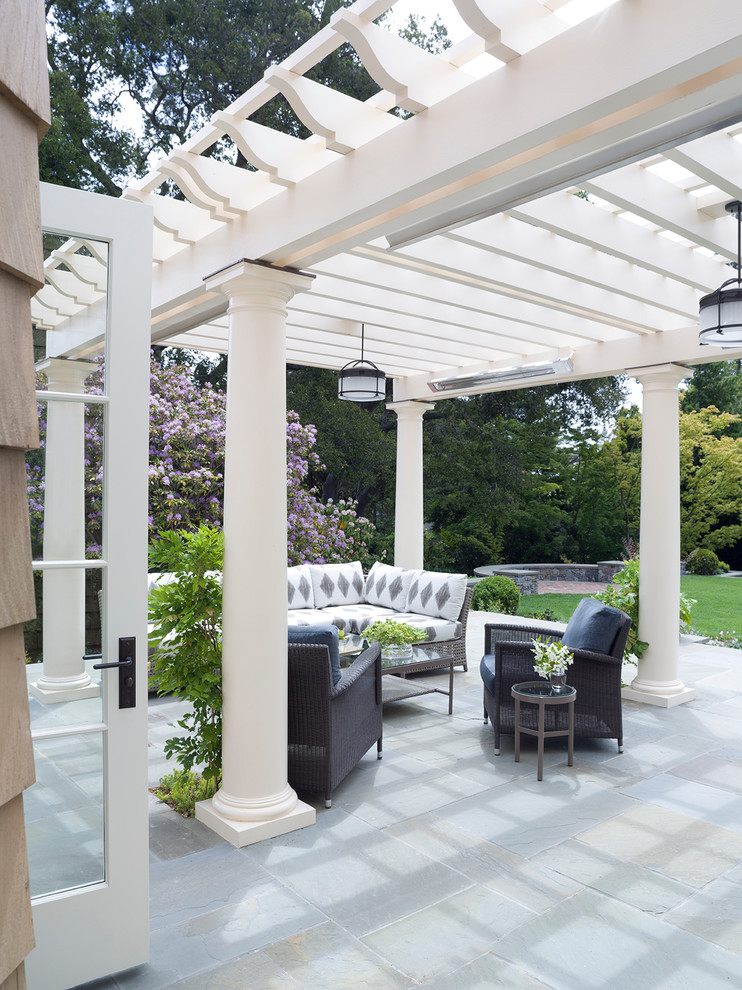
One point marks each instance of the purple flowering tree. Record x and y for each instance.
(186, 473)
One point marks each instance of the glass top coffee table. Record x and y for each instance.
(397, 687)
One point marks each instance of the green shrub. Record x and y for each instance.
(624, 594)
(544, 614)
(187, 615)
(702, 561)
(183, 788)
(496, 594)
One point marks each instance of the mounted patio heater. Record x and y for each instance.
(721, 311)
(361, 381)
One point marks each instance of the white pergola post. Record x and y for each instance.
(408, 506)
(64, 677)
(657, 681)
(255, 801)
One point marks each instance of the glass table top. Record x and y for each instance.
(543, 689)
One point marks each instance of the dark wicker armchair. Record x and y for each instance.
(331, 728)
(595, 675)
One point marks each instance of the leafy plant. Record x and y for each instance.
(187, 613)
(545, 614)
(391, 633)
(496, 594)
(702, 561)
(624, 594)
(181, 789)
(550, 656)
(732, 640)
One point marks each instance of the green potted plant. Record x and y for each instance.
(396, 638)
(551, 659)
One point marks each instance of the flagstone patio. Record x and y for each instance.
(446, 867)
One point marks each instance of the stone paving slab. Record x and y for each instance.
(595, 941)
(448, 934)
(446, 867)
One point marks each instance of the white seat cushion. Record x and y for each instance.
(357, 617)
(314, 617)
(436, 630)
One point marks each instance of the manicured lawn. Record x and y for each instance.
(562, 605)
(719, 604)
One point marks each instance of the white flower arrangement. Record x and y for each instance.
(551, 657)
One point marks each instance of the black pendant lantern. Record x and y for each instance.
(361, 381)
(721, 311)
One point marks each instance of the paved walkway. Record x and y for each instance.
(570, 587)
(445, 867)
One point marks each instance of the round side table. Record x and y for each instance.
(541, 693)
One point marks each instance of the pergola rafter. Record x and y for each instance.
(456, 235)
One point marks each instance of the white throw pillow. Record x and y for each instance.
(301, 592)
(437, 594)
(388, 586)
(337, 584)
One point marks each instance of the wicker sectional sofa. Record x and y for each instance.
(340, 595)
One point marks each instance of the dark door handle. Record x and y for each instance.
(117, 663)
(127, 668)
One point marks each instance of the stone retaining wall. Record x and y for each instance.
(527, 576)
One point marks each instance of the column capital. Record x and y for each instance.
(410, 408)
(259, 277)
(660, 375)
(66, 374)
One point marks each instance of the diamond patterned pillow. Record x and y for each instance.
(436, 594)
(301, 592)
(337, 584)
(388, 586)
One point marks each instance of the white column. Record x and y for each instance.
(255, 801)
(408, 505)
(657, 681)
(64, 677)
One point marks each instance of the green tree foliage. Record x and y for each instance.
(497, 469)
(355, 444)
(605, 489)
(710, 480)
(717, 384)
(86, 147)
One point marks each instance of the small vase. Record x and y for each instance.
(558, 681)
(394, 651)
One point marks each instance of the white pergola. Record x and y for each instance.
(456, 236)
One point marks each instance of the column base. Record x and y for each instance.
(661, 699)
(241, 833)
(52, 696)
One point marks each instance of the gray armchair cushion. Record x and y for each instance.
(322, 636)
(593, 626)
(487, 671)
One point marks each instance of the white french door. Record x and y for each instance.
(86, 815)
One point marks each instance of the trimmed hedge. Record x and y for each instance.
(496, 594)
(702, 561)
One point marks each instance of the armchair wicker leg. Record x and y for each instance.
(328, 802)
(485, 717)
(620, 745)
(378, 748)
